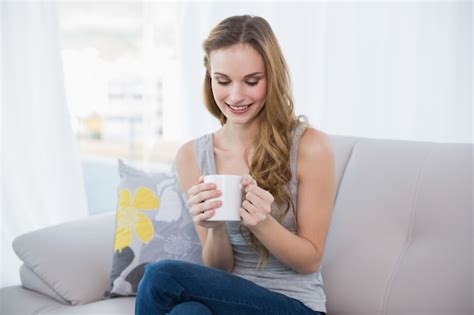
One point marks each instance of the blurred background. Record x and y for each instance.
(384, 70)
(120, 75)
(85, 83)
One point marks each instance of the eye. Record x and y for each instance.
(252, 83)
(223, 82)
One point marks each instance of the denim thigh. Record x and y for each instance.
(169, 283)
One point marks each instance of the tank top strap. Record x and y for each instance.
(297, 133)
(205, 154)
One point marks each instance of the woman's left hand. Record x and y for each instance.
(257, 203)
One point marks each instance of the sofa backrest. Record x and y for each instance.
(400, 240)
(101, 179)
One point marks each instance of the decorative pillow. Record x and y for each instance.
(152, 223)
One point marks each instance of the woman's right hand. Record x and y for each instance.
(200, 207)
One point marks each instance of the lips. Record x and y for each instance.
(239, 109)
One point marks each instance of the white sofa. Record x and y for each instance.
(400, 240)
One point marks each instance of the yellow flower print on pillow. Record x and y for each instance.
(129, 218)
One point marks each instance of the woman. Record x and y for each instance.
(269, 262)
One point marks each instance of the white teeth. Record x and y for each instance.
(239, 107)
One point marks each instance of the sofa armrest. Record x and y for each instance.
(31, 281)
(74, 258)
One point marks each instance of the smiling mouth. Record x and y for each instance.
(239, 108)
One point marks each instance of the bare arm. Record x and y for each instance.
(216, 247)
(302, 251)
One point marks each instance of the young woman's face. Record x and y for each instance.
(239, 84)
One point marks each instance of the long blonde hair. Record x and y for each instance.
(270, 163)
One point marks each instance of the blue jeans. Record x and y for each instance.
(177, 287)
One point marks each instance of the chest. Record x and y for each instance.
(230, 162)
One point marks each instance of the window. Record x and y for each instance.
(118, 60)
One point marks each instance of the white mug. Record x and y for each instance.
(231, 197)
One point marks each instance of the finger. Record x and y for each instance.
(262, 193)
(202, 217)
(254, 199)
(205, 206)
(249, 207)
(203, 196)
(259, 203)
(247, 180)
(247, 218)
(201, 179)
(194, 190)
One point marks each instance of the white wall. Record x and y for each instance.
(398, 70)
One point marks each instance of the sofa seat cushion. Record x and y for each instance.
(115, 306)
(16, 300)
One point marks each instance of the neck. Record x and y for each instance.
(239, 135)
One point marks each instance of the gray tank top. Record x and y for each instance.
(274, 276)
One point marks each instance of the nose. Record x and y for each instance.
(236, 95)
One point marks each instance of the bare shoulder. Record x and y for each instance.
(186, 166)
(314, 141)
(314, 149)
(185, 152)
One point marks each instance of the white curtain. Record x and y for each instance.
(397, 70)
(41, 180)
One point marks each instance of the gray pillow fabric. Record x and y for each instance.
(152, 223)
(72, 259)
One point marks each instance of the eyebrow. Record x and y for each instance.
(248, 75)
